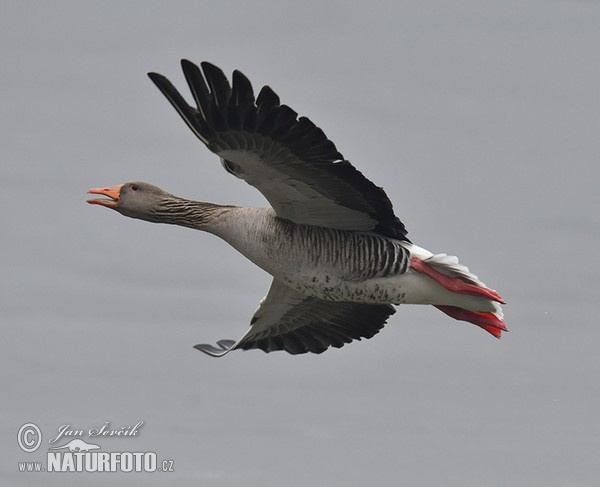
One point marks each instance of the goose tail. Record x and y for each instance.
(469, 299)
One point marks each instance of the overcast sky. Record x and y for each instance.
(480, 119)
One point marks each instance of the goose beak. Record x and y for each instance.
(112, 193)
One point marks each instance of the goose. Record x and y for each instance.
(339, 257)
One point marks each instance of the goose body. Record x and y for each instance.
(338, 255)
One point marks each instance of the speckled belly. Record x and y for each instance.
(374, 291)
(408, 288)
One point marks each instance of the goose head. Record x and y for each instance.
(134, 199)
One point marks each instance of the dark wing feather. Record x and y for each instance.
(290, 321)
(287, 158)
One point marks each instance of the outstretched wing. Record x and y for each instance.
(288, 320)
(287, 158)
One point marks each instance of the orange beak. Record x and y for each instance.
(112, 192)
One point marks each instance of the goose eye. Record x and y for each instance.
(134, 187)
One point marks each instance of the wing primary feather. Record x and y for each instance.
(186, 112)
(284, 121)
(218, 84)
(266, 105)
(197, 85)
(242, 100)
(265, 122)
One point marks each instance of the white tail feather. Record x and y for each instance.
(449, 265)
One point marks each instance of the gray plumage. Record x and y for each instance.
(338, 255)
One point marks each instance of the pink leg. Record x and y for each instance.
(488, 321)
(454, 284)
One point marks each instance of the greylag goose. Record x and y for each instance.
(339, 257)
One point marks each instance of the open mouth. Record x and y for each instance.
(110, 193)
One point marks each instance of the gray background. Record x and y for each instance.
(481, 121)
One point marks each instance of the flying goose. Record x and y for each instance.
(338, 255)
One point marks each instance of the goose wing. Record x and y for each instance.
(287, 158)
(291, 321)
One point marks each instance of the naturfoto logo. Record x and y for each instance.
(69, 452)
